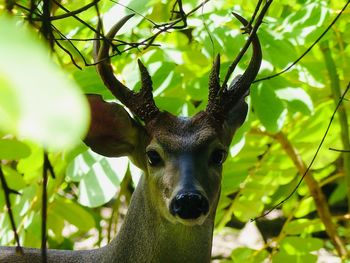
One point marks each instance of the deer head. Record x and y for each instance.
(181, 157)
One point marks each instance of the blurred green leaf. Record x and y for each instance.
(299, 226)
(42, 104)
(306, 206)
(244, 254)
(14, 180)
(283, 256)
(13, 149)
(339, 194)
(294, 245)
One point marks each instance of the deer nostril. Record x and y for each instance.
(189, 205)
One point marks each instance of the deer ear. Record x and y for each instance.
(112, 133)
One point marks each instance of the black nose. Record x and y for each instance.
(189, 205)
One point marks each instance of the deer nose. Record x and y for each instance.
(189, 205)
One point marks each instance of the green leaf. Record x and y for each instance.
(248, 255)
(13, 149)
(294, 245)
(99, 177)
(275, 48)
(31, 167)
(297, 99)
(268, 107)
(90, 82)
(283, 256)
(73, 213)
(41, 102)
(299, 226)
(33, 232)
(55, 223)
(339, 194)
(247, 207)
(81, 165)
(306, 206)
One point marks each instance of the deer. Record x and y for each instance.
(172, 210)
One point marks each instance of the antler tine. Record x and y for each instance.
(104, 67)
(214, 79)
(226, 97)
(149, 109)
(141, 104)
(255, 62)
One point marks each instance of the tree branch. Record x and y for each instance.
(7, 192)
(316, 192)
(314, 188)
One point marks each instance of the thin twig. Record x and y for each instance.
(46, 29)
(148, 42)
(67, 51)
(135, 12)
(46, 168)
(256, 11)
(75, 16)
(339, 150)
(7, 192)
(69, 14)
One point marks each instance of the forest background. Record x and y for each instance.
(297, 126)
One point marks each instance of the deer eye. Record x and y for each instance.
(153, 157)
(218, 157)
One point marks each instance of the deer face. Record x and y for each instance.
(182, 157)
(184, 163)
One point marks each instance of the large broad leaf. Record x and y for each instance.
(73, 213)
(99, 177)
(37, 100)
(268, 107)
(298, 99)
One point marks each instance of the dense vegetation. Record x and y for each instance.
(45, 67)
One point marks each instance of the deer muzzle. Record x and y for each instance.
(189, 205)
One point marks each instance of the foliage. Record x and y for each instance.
(42, 109)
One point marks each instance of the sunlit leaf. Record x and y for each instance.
(300, 245)
(99, 183)
(268, 107)
(299, 226)
(41, 102)
(298, 99)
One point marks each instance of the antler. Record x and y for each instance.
(140, 103)
(222, 99)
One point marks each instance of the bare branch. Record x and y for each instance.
(7, 192)
(339, 150)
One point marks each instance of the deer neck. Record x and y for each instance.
(146, 236)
